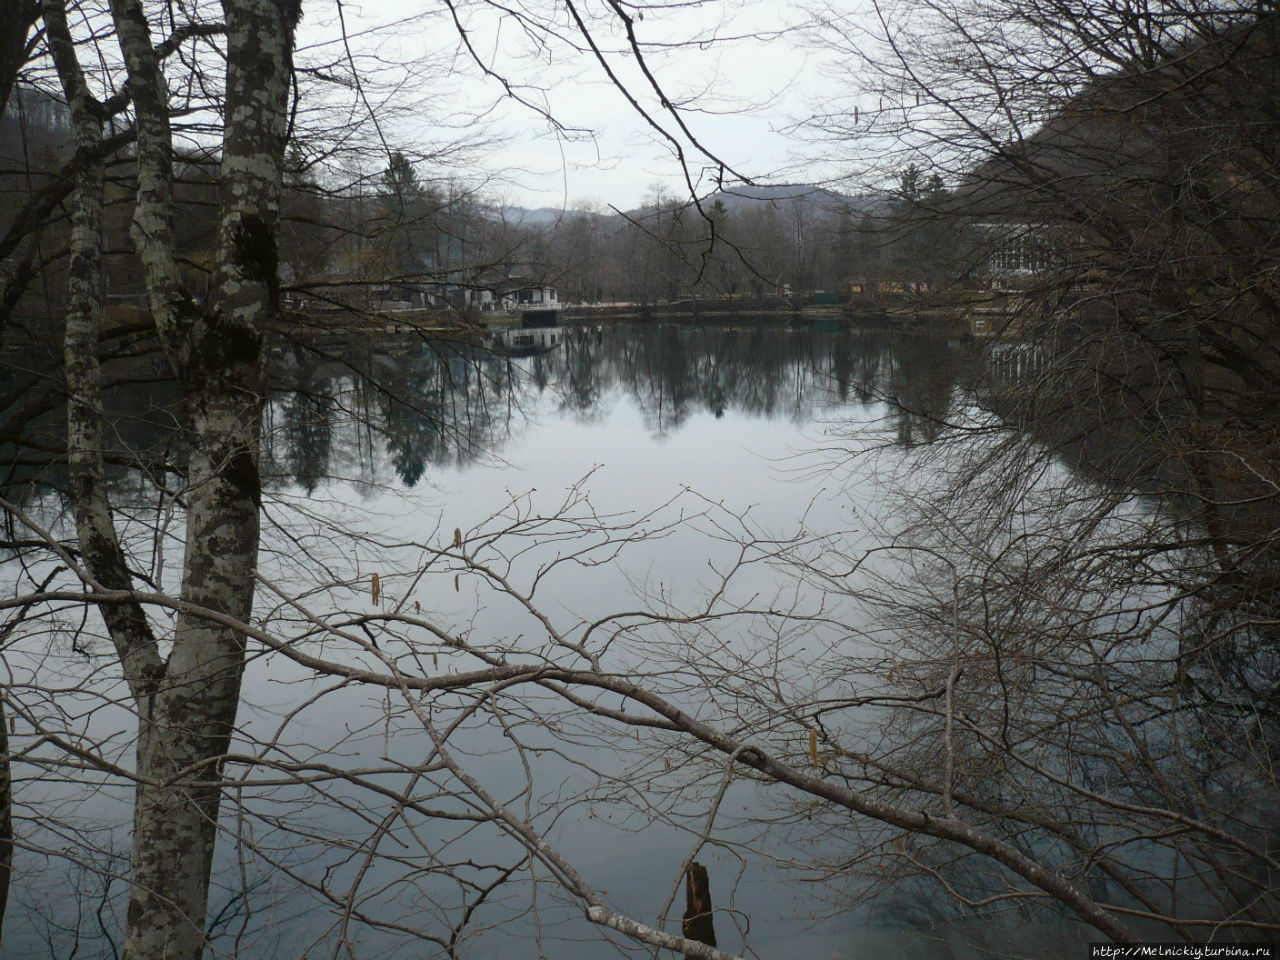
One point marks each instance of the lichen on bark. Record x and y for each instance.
(186, 705)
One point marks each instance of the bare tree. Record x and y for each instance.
(1032, 695)
(186, 699)
(1093, 595)
(182, 654)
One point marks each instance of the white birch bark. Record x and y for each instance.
(187, 717)
(95, 526)
(152, 227)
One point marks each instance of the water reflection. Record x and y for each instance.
(659, 407)
(453, 403)
(648, 409)
(336, 410)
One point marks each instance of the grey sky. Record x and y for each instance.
(739, 74)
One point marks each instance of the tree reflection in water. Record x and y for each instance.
(453, 403)
(972, 648)
(381, 419)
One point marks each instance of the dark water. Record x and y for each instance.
(375, 455)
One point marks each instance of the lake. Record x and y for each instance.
(642, 495)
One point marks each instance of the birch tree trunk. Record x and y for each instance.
(187, 729)
(187, 704)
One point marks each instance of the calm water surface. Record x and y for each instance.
(375, 458)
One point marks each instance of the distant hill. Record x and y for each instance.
(818, 200)
(540, 217)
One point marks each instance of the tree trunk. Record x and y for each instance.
(187, 705)
(698, 923)
(219, 357)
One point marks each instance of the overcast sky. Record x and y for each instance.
(739, 69)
